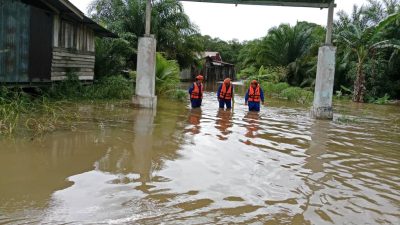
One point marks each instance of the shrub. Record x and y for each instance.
(272, 89)
(180, 95)
(382, 100)
(247, 72)
(284, 90)
(167, 75)
(112, 87)
(297, 94)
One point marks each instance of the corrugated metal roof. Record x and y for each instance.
(68, 9)
(210, 54)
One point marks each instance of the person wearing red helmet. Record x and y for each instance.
(254, 96)
(196, 92)
(225, 94)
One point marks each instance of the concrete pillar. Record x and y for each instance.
(146, 71)
(322, 106)
(145, 79)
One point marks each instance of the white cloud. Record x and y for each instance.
(245, 22)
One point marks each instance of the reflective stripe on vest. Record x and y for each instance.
(254, 95)
(226, 94)
(197, 93)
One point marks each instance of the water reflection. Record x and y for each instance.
(223, 123)
(194, 120)
(31, 171)
(133, 156)
(252, 125)
(316, 177)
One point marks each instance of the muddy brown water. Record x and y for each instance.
(123, 165)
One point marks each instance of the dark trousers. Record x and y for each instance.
(196, 103)
(254, 106)
(222, 103)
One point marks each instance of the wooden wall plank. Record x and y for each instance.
(59, 78)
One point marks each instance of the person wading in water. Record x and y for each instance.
(225, 94)
(196, 92)
(253, 96)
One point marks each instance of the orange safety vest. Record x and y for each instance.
(226, 94)
(254, 95)
(196, 93)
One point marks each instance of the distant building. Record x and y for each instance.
(212, 68)
(43, 40)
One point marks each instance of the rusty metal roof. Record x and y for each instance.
(69, 10)
(294, 3)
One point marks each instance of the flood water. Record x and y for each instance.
(122, 165)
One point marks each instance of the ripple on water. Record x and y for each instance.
(209, 166)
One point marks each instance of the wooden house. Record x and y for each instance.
(213, 68)
(44, 40)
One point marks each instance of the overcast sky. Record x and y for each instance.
(245, 22)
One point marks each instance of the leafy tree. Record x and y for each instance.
(170, 25)
(294, 47)
(229, 50)
(112, 56)
(364, 43)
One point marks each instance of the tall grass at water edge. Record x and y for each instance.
(285, 91)
(19, 111)
(47, 112)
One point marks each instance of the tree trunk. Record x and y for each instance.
(359, 85)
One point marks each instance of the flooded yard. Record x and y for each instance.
(175, 165)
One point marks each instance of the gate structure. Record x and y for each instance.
(322, 106)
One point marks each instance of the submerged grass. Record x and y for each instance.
(18, 111)
(48, 111)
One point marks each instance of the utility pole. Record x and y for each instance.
(329, 26)
(148, 18)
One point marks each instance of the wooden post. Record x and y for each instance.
(329, 27)
(148, 18)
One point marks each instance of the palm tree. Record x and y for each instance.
(363, 43)
(294, 47)
(170, 25)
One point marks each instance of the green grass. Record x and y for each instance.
(180, 95)
(113, 87)
(46, 112)
(19, 111)
(344, 119)
(285, 91)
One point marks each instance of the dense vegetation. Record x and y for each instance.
(176, 36)
(368, 43)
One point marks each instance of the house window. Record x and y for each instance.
(68, 35)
